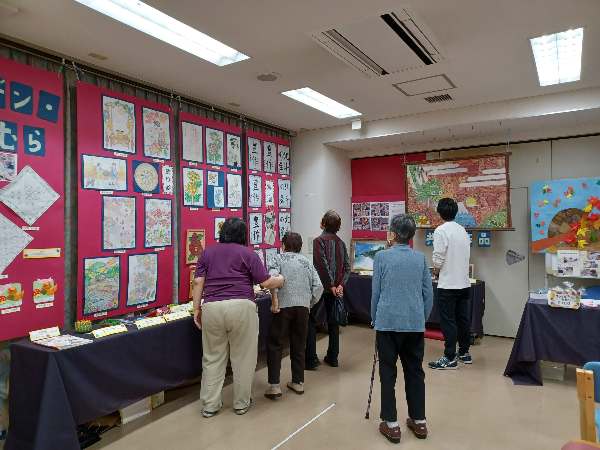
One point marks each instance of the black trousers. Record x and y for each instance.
(290, 323)
(455, 320)
(333, 329)
(409, 347)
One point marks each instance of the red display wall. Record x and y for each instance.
(91, 141)
(380, 179)
(32, 131)
(203, 217)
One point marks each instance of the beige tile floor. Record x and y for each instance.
(472, 408)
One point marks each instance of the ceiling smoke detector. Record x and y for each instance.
(268, 77)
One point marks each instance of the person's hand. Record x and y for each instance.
(340, 291)
(198, 318)
(334, 291)
(275, 309)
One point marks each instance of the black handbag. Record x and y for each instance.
(340, 312)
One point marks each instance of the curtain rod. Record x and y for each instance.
(69, 63)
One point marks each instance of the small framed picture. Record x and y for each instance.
(363, 254)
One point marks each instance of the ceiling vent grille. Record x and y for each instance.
(438, 98)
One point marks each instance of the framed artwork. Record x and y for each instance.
(270, 157)
(191, 142)
(12, 295)
(214, 147)
(285, 194)
(234, 151)
(101, 284)
(103, 174)
(254, 191)
(283, 159)
(256, 228)
(28, 195)
(270, 257)
(44, 290)
(285, 223)
(118, 222)
(193, 187)
(118, 125)
(254, 154)
(195, 243)
(157, 222)
(363, 254)
(8, 166)
(261, 254)
(480, 185)
(270, 235)
(234, 190)
(167, 179)
(145, 177)
(192, 277)
(215, 189)
(13, 241)
(142, 279)
(157, 134)
(269, 192)
(219, 221)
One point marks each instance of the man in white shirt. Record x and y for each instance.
(451, 253)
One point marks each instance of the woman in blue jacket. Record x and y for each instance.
(401, 302)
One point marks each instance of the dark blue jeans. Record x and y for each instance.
(333, 330)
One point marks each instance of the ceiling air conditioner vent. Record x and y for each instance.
(438, 98)
(382, 44)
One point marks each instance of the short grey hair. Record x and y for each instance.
(404, 227)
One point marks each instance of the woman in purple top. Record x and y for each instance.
(227, 316)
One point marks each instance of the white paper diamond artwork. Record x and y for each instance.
(13, 241)
(29, 196)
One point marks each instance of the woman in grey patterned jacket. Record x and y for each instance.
(290, 306)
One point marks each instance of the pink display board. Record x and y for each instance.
(272, 168)
(201, 141)
(125, 203)
(31, 135)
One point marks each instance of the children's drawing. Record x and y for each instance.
(254, 154)
(285, 223)
(270, 156)
(363, 254)
(8, 166)
(219, 221)
(193, 187)
(195, 243)
(283, 159)
(214, 147)
(11, 295)
(13, 241)
(215, 189)
(261, 254)
(142, 279)
(256, 228)
(29, 196)
(118, 222)
(118, 119)
(192, 140)
(234, 190)
(271, 257)
(285, 194)
(103, 174)
(101, 284)
(44, 290)
(254, 191)
(158, 220)
(270, 227)
(269, 193)
(157, 134)
(234, 151)
(145, 177)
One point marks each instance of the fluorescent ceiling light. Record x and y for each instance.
(558, 56)
(318, 101)
(157, 24)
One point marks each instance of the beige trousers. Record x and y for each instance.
(229, 331)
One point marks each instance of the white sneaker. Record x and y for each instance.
(298, 388)
(273, 392)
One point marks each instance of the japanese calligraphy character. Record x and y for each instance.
(8, 136)
(34, 141)
(21, 98)
(48, 106)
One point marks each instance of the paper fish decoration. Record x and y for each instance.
(546, 189)
(556, 203)
(536, 214)
(569, 192)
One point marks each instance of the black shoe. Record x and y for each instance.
(313, 365)
(444, 364)
(465, 358)
(330, 362)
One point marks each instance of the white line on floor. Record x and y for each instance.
(303, 426)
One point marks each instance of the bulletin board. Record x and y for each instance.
(269, 196)
(125, 200)
(32, 222)
(211, 188)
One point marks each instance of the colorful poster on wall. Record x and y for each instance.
(157, 134)
(195, 242)
(157, 222)
(215, 189)
(565, 214)
(118, 123)
(234, 151)
(214, 147)
(104, 174)
(146, 178)
(118, 223)
(31, 195)
(142, 279)
(193, 187)
(375, 216)
(234, 190)
(192, 141)
(102, 284)
(480, 185)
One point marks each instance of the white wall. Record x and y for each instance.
(322, 181)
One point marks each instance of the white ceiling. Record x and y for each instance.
(485, 43)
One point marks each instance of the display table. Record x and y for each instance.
(552, 334)
(51, 392)
(357, 296)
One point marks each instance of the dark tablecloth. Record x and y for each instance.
(51, 392)
(552, 334)
(357, 296)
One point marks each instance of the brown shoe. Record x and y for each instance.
(418, 429)
(391, 434)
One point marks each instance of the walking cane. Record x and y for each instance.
(372, 380)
